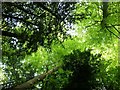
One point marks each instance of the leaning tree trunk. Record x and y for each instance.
(35, 80)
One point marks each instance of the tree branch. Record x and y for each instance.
(9, 34)
(113, 33)
(115, 28)
(26, 11)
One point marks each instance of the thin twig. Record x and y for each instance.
(113, 33)
(115, 28)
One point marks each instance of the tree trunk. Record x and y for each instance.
(35, 80)
(105, 13)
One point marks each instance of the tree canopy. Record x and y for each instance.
(60, 46)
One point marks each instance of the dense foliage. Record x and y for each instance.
(81, 38)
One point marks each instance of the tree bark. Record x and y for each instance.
(35, 80)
